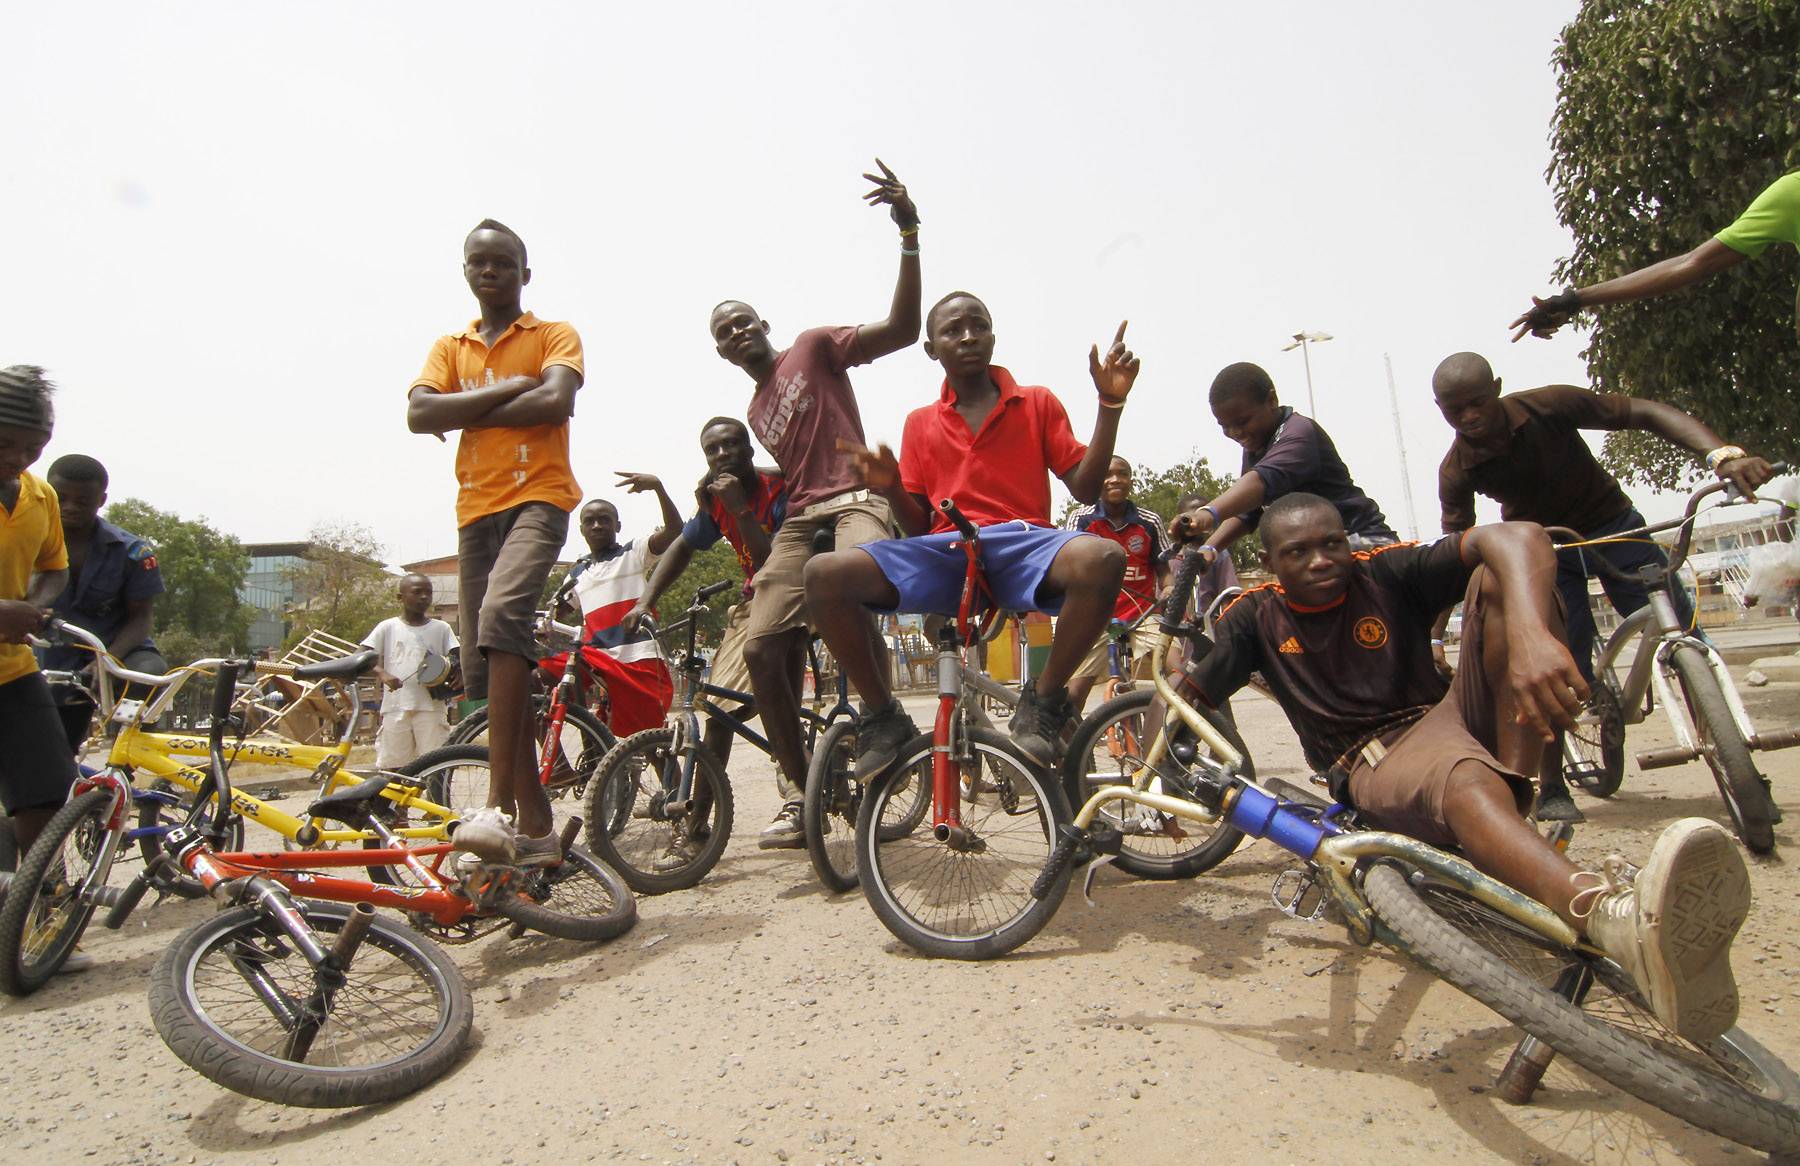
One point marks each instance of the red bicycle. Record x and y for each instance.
(961, 889)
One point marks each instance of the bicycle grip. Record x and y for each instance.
(963, 526)
(1192, 564)
(1069, 838)
(224, 692)
(712, 589)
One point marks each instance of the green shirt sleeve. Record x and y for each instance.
(1773, 218)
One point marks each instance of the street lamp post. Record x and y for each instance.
(1303, 341)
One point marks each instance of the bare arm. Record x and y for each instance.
(671, 527)
(668, 569)
(136, 628)
(1545, 316)
(901, 328)
(429, 411)
(1747, 473)
(46, 586)
(550, 403)
(1545, 682)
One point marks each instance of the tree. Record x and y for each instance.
(199, 613)
(340, 585)
(1671, 116)
(711, 565)
(1161, 490)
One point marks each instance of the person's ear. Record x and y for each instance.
(524, 276)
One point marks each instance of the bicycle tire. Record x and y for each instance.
(44, 914)
(455, 776)
(152, 814)
(922, 890)
(1733, 769)
(584, 735)
(626, 827)
(582, 899)
(833, 797)
(1146, 850)
(1732, 1087)
(1602, 742)
(196, 1028)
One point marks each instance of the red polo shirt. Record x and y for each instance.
(1001, 473)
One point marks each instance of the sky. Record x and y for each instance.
(236, 229)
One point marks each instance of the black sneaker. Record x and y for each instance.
(1555, 805)
(879, 739)
(1038, 724)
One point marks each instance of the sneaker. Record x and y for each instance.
(683, 846)
(879, 739)
(1038, 724)
(545, 851)
(1671, 928)
(1558, 806)
(786, 832)
(76, 962)
(488, 834)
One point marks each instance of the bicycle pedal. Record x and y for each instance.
(1089, 872)
(1305, 898)
(1105, 838)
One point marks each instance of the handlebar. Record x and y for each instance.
(963, 526)
(1183, 588)
(708, 591)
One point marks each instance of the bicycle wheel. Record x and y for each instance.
(455, 776)
(1108, 749)
(628, 826)
(157, 815)
(1599, 741)
(1730, 1085)
(581, 899)
(582, 743)
(396, 1025)
(44, 914)
(970, 902)
(1733, 769)
(833, 797)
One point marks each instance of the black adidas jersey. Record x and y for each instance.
(1348, 672)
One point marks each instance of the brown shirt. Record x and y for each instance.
(1545, 473)
(804, 407)
(1351, 671)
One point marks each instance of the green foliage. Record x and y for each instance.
(340, 587)
(714, 563)
(1160, 490)
(1671, 116)
(199, 614)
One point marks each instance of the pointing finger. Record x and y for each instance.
(1119, 338)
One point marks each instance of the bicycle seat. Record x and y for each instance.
(342, 668)
(352, 804)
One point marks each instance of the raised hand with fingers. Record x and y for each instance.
(890, 190)
(1545, 316)
(638, 483)
(878, 468)
(1115, 376)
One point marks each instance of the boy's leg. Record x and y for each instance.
(840, 588)
(1086, 573)
(37, 767)
(776, 623)
(1089, 672)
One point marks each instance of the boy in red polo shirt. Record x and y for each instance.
(990, 444)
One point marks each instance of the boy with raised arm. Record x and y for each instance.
(1525, 451)
(990, 445)
(745, 506)
(802, 407)
(1344, 642)
(1284, 452)
(508, 383)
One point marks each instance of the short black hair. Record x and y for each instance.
(931, 316)
(731, 421)
(78, 467)
(599, 502)
(1187, 496)
(502, 228)
(1120, 458)
(1292, 505)
(1242, 379)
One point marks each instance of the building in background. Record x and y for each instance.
(269, 589)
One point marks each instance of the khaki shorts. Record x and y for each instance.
(1403, 790)
(728, 667)
(503, 560)
(1143, 645)
(779, 605)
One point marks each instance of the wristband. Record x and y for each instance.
(909, 232)
(1565, 304)
(1106, 404)
(1437, 643)
(1723, 454)
(909, 251)
(1209, 552)
(1212, 511)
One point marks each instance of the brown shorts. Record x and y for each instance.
(502, 561)
(779, 604)
(1404, 790)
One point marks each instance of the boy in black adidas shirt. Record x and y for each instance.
(1344, 642)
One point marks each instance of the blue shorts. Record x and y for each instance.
(928, 570)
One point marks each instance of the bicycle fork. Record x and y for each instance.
(946, 792)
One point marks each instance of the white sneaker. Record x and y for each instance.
(75, 963)
(1672, 927)
(488, 834)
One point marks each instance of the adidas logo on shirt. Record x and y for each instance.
(1291, 647)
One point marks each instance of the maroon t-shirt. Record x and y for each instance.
(1349, 672)
(804, 407)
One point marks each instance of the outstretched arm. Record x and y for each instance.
(901, 327)
(1705, 261)
(1112, 381)
(1221, 518)
(879, 470)
(1541, 673)
(1667, 422)
(671, 527)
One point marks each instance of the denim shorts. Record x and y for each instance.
(928, 570)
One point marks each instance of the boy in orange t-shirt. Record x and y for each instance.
(508, 383)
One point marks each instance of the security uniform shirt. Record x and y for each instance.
(120, 568)
(1352, 670)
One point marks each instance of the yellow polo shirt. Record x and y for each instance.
(31, 540)
(497, 469)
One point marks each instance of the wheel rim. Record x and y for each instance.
(953, 895)
(573, 888)
(58, 907)
(843, 799)
(1115, 759)
(640, 832)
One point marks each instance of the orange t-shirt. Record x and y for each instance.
(497, 469)
(31, 540)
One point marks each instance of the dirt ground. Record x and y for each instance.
(756, 1019)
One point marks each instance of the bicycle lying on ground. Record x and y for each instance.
(1506, 950)
(1685, 674)
(324, 1004)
